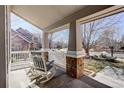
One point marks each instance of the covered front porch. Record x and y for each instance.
(70, 71)
(19, 79)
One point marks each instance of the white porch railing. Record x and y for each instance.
(17, 56)
(20, 59)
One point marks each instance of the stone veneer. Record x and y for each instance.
(74, 67)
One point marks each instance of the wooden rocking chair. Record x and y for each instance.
(41, 71)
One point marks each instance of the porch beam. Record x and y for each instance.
(85, 11)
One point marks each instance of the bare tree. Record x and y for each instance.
(52, 36)
(122, 41)
(108, 38)
(91, 31)
(58, 37)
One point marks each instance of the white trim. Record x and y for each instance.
(60, 28)
(75, 54)
(21, 37)
(42, 50)
(15, 52)
(104, 13)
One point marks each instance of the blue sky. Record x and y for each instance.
(17, 22)
(62, 35)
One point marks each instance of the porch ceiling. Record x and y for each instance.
(48, 17)
(44, 15)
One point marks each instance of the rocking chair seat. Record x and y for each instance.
(49, 65)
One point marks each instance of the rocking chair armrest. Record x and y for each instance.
(50, 62)
(49, 65)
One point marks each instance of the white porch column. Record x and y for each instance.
(45, 41)
(4, 44)
(45, 45)
(74, 61)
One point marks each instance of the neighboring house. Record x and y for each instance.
(23, 40)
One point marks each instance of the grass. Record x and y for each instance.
(97, 65)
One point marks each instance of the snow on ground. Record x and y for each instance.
(111, 76)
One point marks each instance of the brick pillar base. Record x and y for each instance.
(45, 55)
(74, 67)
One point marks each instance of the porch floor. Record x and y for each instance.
(19, 79)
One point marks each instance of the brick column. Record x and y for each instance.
(4, 45)
(74, 61)
(45, 46)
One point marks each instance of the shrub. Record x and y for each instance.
(111, 59)
(105, 58)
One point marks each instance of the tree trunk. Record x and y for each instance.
(50, 44)
(87, 52)
(112, 52)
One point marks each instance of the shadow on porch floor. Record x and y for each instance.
(62, 80)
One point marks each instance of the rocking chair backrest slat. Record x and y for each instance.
(38, 62)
